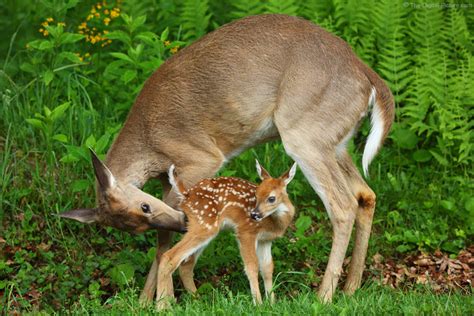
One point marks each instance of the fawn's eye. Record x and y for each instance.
(271, 199)
(146, 208)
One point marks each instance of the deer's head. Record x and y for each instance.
(125, 207)
(271, 193)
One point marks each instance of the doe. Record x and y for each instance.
(257, 214)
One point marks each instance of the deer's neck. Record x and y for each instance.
(132, 161)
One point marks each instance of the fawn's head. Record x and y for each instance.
(125, 207)
(271, 193)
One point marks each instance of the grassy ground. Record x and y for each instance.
(371, 300)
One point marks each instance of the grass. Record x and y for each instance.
(370, 300)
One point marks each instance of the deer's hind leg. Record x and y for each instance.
(364, 216)
(312, 127)
(186, 272)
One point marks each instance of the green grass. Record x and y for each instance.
(370, 300)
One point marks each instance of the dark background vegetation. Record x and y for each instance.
(67, 87)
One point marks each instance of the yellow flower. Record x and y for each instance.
(109, 41)
(114, 13)
(97, 15)
(87, 55)
(83, 25)
(50, 19)
(106, 21)
(98, 6)
(167, 43)
(90, 16)
(45, 23)
(174, 50)
(81, 32)
(106, 12)
(106, 32)
(45, 33)
(61, 23)
(93, 10)
(40, 30)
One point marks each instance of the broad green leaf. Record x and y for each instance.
(122, 56)
(59, 111)
(69, 158)
(36, 123)
(302, 224)
(80, 185)
(405, 138)
(122, 274)
(448, 205)
(164, 34)
(129, 75)
(45, 45)
(48, 76)
(68, 38)
(27, 67)
(422, 155)
(60, 138)
(71, 57)
(120, 36)
(102, 143)
(137, 22)
(90, 141)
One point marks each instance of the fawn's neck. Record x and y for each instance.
(281, 219)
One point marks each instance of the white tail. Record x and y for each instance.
(258, 214)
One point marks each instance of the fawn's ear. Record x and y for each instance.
(83, 215)
(175, 182)
(102, 173)
(289, 175)
(262, 173)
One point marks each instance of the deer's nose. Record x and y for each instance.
(255, 215)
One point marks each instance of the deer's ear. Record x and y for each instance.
(83, 215)
(262, 173)
(102, 173)
(289, 175)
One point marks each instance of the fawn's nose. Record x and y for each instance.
(255, 215)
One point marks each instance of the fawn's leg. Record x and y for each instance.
(365, 213)
(265, 260)
(186, 272)
(249, 257)
(192, 242)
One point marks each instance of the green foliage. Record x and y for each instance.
(63, 92)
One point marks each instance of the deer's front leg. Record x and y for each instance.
(162, 245)
(265, 260)
(249, 256)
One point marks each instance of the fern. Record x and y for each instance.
(315, 10)
(281, 6)
(194, 18)
(394, 61)
(243, 8)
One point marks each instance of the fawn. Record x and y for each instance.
(257, 214)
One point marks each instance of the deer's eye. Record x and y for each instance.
(146, 208)
(271, 199)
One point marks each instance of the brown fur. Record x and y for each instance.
(250, 81)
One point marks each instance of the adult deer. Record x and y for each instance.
(250, 81)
